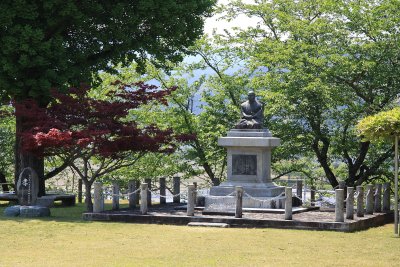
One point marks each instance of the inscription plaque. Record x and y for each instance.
(244, 164)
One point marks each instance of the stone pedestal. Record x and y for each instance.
(248, 166)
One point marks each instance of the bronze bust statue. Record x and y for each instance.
(252, 113)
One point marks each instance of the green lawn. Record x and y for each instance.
(65, 240)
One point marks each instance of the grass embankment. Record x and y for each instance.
(65, 240)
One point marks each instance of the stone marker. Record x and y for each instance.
(27, 187)
(239, 201)
(299, 189)
(369, 203)
(98, 197)
(163, 197)
(360, 201)
(339, 205)
(177, 189)
(190, 203)
(378, 198)
(288, 203)
(143, 198)
(115, 196)
(350, 203)
(132, 196)
(386, 197)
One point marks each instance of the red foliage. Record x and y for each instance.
(77, 121)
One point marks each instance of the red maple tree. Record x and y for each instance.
(95, 136)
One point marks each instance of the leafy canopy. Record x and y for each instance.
(51, 43)
(381, 126)
(78, 125)
(321, 66)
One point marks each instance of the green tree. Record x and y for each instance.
(322, 65)
(206, 104)
(7, 142)
(56, 43)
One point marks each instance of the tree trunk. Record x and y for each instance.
(23, 159)
(88, 195)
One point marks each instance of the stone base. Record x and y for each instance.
(27, 211)
(254, 190)
(228, 204)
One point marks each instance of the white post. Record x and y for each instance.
(378, 198)
(396, 185)
(132, 196)
(339, 205)
(350, 203)
(190, 204)
(386, 197)
(239, 201)
(115, 196)
(143, 198)
(98, 197)
(288, 203)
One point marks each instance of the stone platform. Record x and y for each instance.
(309, 220)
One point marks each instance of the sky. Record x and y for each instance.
(220, 25)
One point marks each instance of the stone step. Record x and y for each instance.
(208, 224)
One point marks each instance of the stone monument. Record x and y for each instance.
(27, 192)
(27, 187)
(249, 148)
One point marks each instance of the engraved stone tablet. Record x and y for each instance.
(244, 164)
(27, 187)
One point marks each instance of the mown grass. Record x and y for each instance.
(65, 240)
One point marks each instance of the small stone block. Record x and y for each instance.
(205, 224)
(34, 211)
(12, 211)
(45, 201)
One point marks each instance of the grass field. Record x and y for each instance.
(65, 240)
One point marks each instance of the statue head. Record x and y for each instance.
(251, 96)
